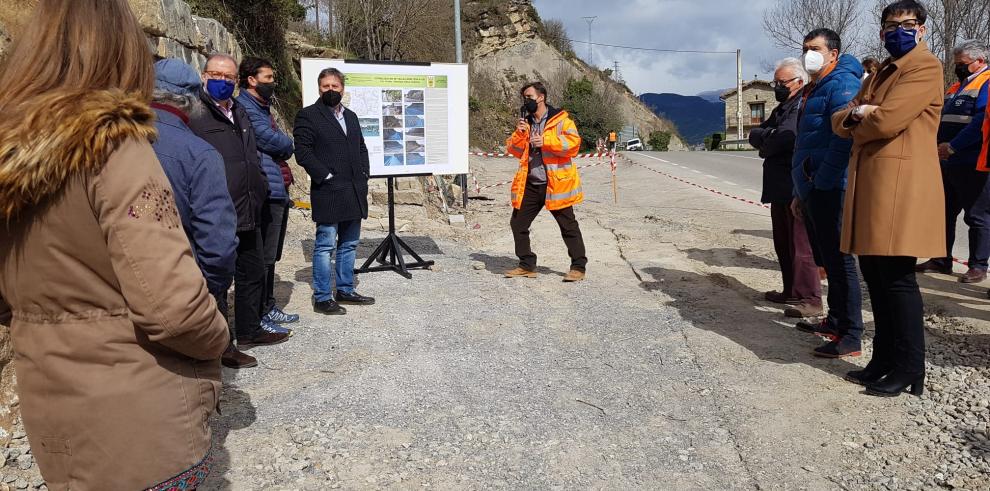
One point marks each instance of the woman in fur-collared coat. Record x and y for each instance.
(116, 339)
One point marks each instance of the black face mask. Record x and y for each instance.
(531, 105)
(266, 91)
(331, 98)
(962, 72)
(781, 93)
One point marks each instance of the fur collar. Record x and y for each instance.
(50, 139)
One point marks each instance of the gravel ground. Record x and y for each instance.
(664, 370)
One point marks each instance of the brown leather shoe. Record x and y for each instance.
(933, 266)
(974, 275)
(520, 273)
(802, 310)
(778, 297)
(573, 276)
(263, 338)
(235, 358)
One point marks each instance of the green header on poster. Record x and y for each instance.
(397, 81)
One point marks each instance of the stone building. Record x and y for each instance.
(758, 102)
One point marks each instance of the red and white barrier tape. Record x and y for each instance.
(578, 156)
(479, 188)
(706, 188)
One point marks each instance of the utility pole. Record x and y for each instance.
(459, 54)
(590, 20)
(739, 97)
(615, 71)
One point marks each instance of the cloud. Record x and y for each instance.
(702, 25)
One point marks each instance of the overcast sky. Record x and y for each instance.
(716, 25)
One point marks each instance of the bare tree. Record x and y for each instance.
(555, 35)
(395, 29)
(789, 21)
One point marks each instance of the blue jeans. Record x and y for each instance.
(343, 239)
(823, 219)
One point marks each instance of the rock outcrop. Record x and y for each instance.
(506, 42)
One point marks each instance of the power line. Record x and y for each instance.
(656, 49)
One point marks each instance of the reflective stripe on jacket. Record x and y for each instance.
(962, 119)
(561, 143)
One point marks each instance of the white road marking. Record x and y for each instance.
(731, 183)
(737, 156)
(696, 171)
(711, 176)
(752, 190)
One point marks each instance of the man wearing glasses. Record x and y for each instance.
(774, 139)
(225, 125)
(819, 168)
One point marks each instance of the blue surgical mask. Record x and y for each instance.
(900, 41)
(220, 90)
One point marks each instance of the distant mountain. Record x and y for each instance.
(712, 95)
(695, 116)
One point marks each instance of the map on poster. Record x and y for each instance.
(414, 117)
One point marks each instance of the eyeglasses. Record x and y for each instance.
(220, 76)
(782, 83)
(907, 24)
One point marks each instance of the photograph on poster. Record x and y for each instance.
(414, 96)
(393, 147)
(415, 122)
(415, 158)
(392, 134)
(415, 133)
(392, 122)
(415, 109)
(394, 159)
(369, 127)
(392, 110)
(392, 95)
(415, 145)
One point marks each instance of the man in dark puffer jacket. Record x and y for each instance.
(821, 159)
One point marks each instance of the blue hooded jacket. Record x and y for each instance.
(821, 158)
(272, 143)
(199, 184)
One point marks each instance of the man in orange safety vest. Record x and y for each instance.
(545, 141)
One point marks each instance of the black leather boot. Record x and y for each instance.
(893, 384)
(871, 374)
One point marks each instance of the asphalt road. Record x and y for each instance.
(740, 174)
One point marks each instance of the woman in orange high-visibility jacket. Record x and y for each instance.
(545, 143)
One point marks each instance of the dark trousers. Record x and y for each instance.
(797, 262)
(274, 219)
(533, 200)
(823, 220)
(898, 313)
(249, 282)
(966, 191)
(221, 298)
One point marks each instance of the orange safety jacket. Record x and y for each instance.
(981, 163)
(561, 143)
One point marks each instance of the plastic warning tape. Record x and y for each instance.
(490, 186)
(685, 181)
(578, 156)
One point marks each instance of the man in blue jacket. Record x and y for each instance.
(818, 169)
(257, 81)
(960, 136)
(199, 185)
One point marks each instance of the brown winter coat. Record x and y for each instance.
(116, 339)
(895, 204)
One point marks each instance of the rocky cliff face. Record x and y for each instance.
(172, 32)
(506, 42)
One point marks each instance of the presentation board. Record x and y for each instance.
(414, 118)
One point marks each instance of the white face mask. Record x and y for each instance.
(813, 61)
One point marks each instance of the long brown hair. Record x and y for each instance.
(77, 45)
